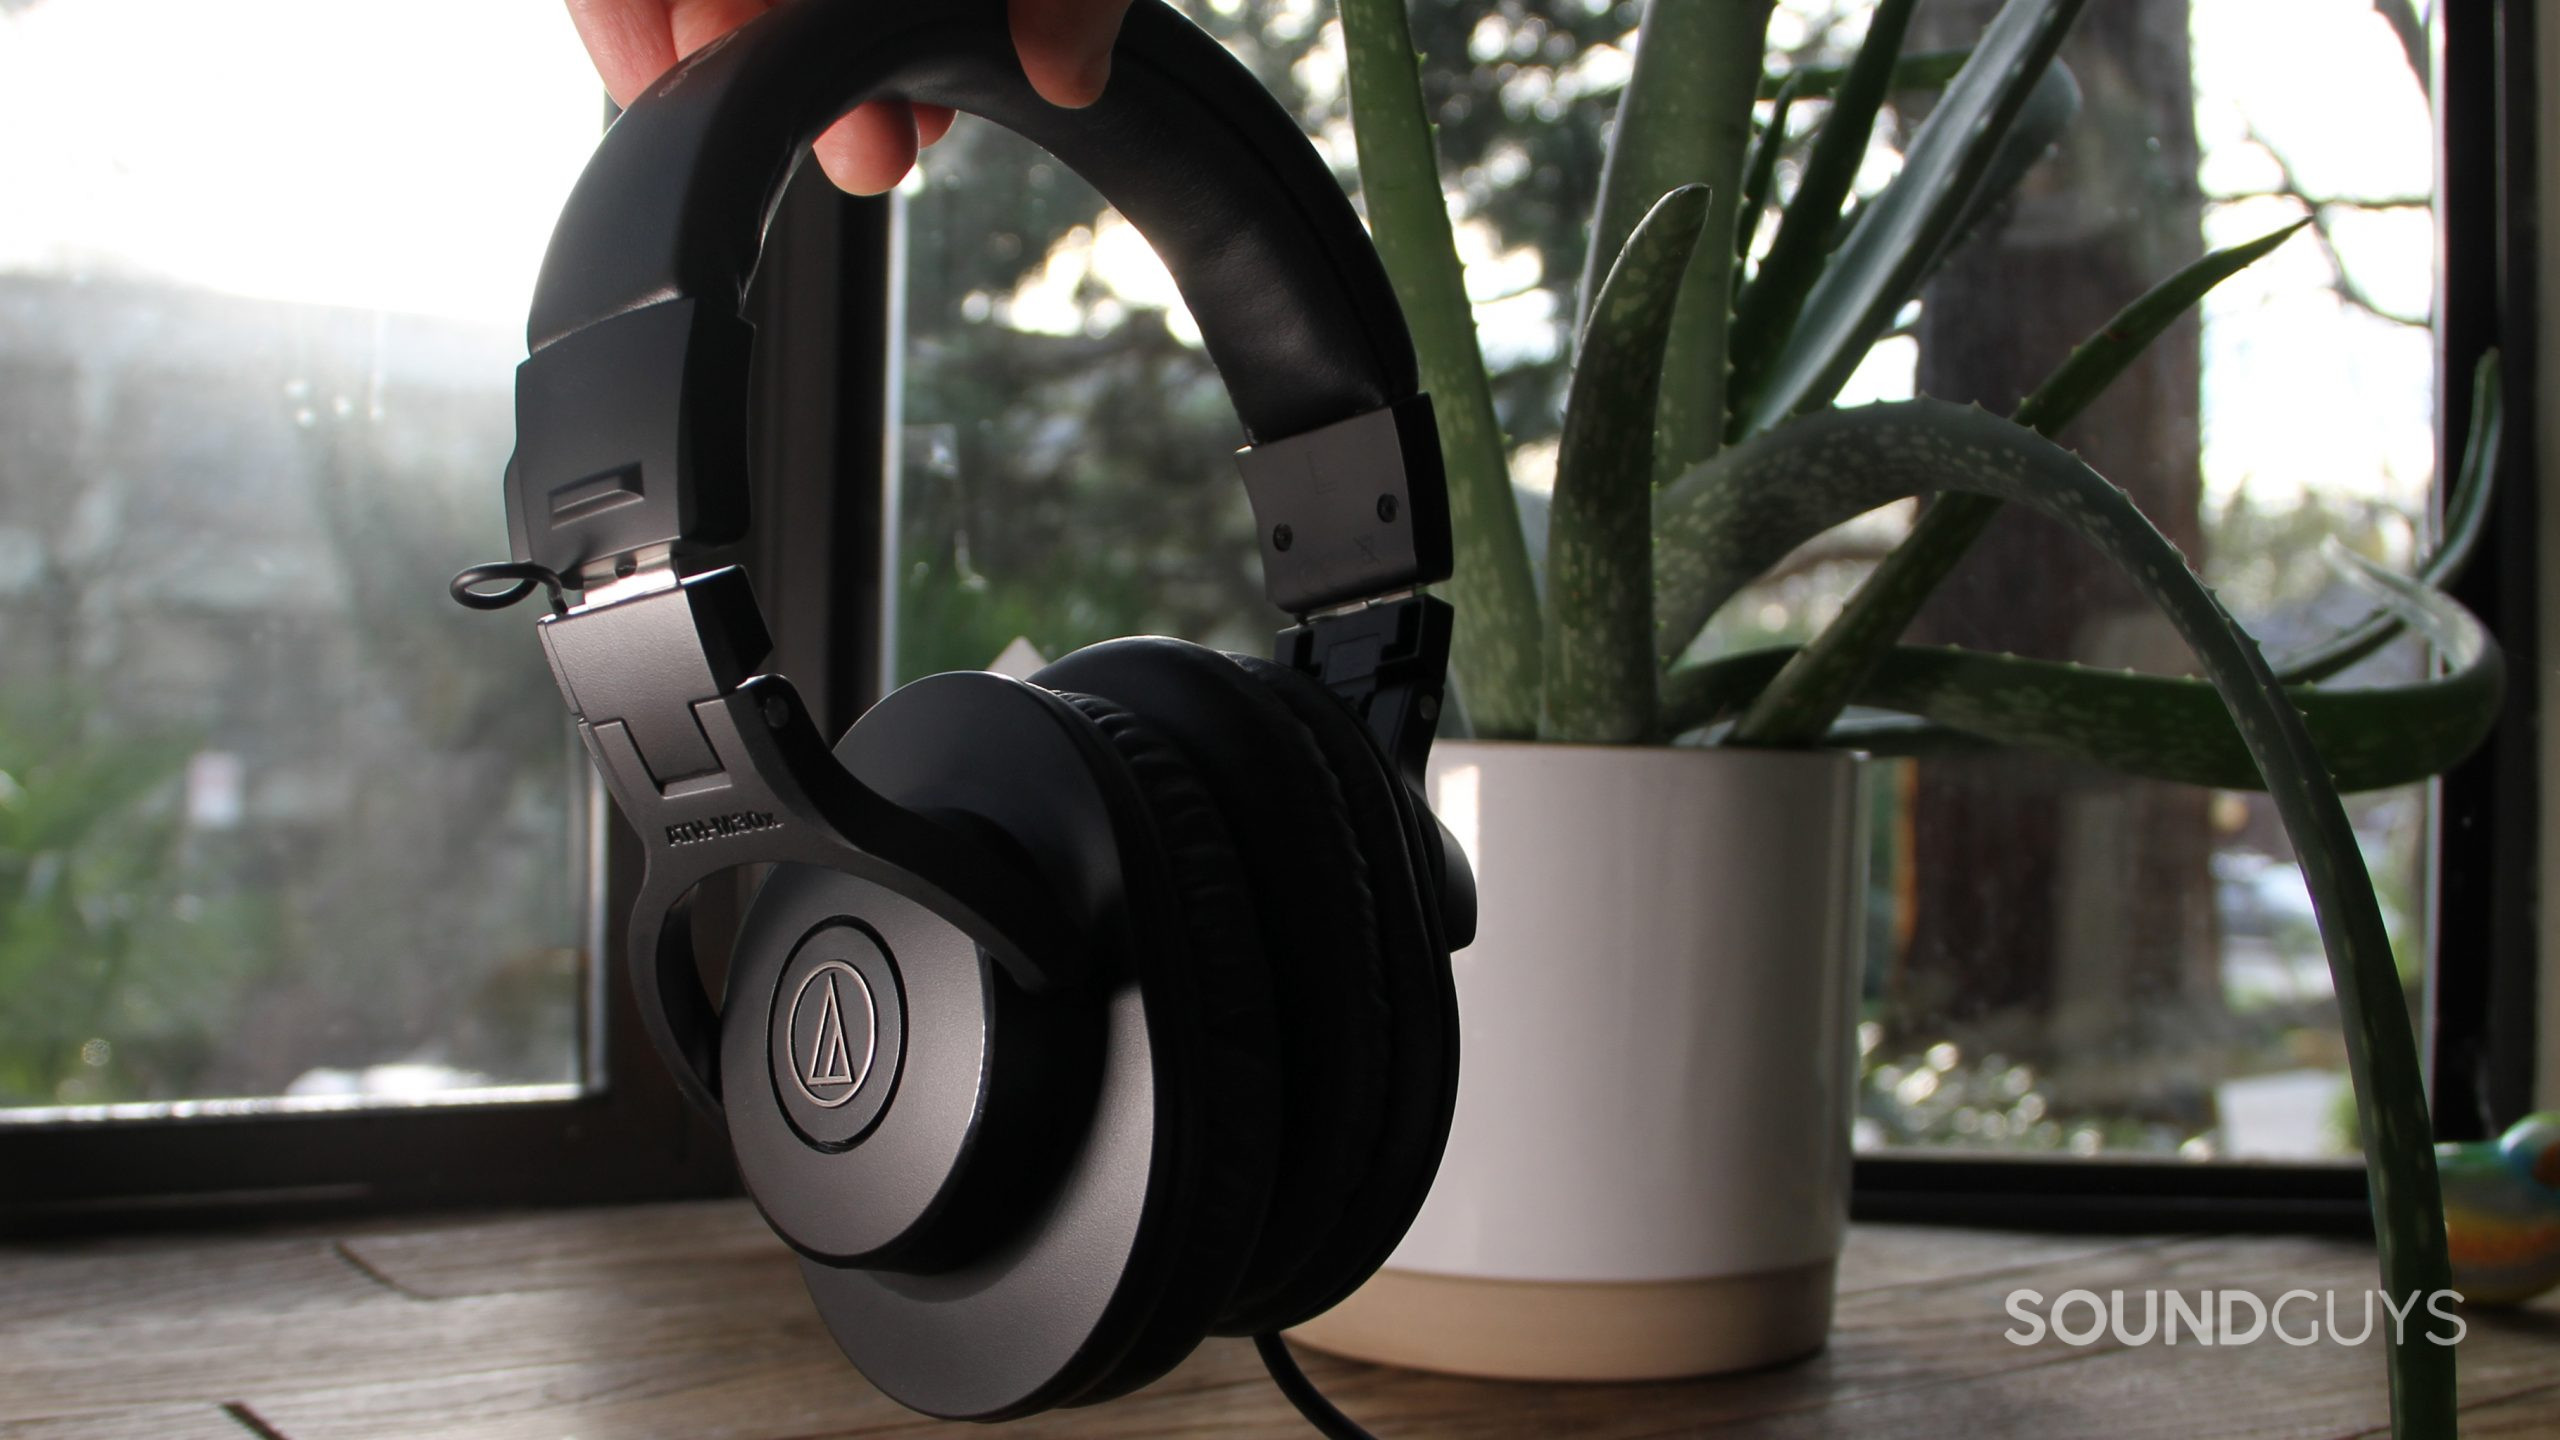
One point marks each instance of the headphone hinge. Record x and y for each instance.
(1389, 661)
(715, 765)
(623, 577)
(1351, 509)
(644, 662)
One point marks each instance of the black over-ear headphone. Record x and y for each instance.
(1079, 1018)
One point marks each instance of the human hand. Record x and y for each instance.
(1065, 47)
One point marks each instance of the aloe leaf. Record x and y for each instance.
(2100, 360)
(1684, 118)
(1495, 651)
(1789, 485)
(1704, 693)
(2159, 727)
(1759, 173)
(1769, 305)
(1803, 701)
(1901, 233)
(1818, 683)
(1599, 665)
(2466, 519)
(2052, 106)
(1922, 70)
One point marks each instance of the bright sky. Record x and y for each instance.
(410, 157)
(2302, 392)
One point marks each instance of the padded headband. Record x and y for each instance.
(631, 413)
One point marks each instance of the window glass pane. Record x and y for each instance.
(279, 825)
(2067, 959)
(2059, 960)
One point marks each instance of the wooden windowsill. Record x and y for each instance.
(687, 1320)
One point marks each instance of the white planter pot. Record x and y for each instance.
(1648, 1173)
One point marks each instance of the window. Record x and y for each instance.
(2078, 962)
(283, 834)
(280, 831)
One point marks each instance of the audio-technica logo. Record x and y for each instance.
(719, 827)
(833, 1032)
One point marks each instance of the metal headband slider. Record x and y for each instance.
(1356, 509)
(644, 663)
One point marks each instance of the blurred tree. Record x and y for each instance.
(2068, 917)
(119, 963)
(267, 802)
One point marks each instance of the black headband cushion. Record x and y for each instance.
(637, 385)
(631, 412)
(1292, 302)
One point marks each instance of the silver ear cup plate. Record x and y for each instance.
(1049, 1294)
(817, 1013)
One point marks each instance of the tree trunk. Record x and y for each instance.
(2061, 915)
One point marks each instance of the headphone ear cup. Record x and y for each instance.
(1111, 1274)
(1311, 891)
(1422, 1004)
(1219, 1102)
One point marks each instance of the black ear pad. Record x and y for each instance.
(1421, 999)
(1311, 887)
(1227, 1100)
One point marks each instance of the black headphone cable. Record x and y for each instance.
(1293, 1382)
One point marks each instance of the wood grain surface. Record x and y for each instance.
(687, 1321)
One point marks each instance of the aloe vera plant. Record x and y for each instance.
(1701, 445)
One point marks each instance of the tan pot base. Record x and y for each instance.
(1579, 1330)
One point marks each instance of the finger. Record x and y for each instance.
(932, 122)
(696, 23)
(1065, 46)
(633, 42)
(871, 149)
(628, 40)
